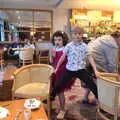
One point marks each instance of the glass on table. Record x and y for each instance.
(27, 114)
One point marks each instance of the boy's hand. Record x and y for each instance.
(97, 74)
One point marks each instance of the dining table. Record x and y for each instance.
(16, 108)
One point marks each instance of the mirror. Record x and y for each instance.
(18, 25)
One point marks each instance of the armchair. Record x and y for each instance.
(109, 95)
(33, 81)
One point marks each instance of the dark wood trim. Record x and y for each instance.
(32, 10)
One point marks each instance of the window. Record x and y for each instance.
(27, 24)
(1, 30)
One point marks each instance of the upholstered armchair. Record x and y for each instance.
(33, 81)
(109, 95)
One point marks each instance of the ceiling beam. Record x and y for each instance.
(15, 9)
(58, 3)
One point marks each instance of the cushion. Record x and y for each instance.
(32, 90)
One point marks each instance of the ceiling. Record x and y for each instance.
(44, 19)
(29, 4)
(91, 4)
(50, 4)
(28, 18)
(25, 18)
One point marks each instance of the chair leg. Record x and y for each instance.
(49, 108)
(116, 116)
(19, 62)
(39, 60)
(13, 96)
(48, 61)
(23, 63)
(97, 109)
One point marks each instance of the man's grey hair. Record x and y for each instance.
(116, 34)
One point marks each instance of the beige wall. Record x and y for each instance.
(59, 19)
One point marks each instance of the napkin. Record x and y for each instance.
(32, 103)
(4, 112)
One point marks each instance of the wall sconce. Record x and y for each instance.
(72, 21)
(33, 31)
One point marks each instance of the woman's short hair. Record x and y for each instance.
(60, 34)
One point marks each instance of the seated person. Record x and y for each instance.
(29, 44)
(11, 54)
(1, 48)
(10, 51)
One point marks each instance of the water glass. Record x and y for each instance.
(27, 114)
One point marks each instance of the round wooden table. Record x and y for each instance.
(18, 105)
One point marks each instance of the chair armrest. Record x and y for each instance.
(107, 78)
(115, 75)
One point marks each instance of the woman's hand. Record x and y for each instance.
(53, 52)
(55, 70)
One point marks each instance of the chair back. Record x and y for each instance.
(0, 56)
(26, 54)
(108, 92)
(44, 55)
(32, 73)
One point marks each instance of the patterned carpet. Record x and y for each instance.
(75, 109)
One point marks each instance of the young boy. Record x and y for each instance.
(76, 52)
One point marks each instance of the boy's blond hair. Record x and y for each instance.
(78, 29)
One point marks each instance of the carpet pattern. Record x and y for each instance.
(75, 109)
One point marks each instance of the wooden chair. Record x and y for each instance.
(33, 81)
(26, 56)
(7, 82)
(6, 90)
(109, 95)
(44, 55)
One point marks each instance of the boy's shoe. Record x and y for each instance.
(94, 103)
(85, 101)
(61, 114)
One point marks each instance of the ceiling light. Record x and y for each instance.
(118, 1)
